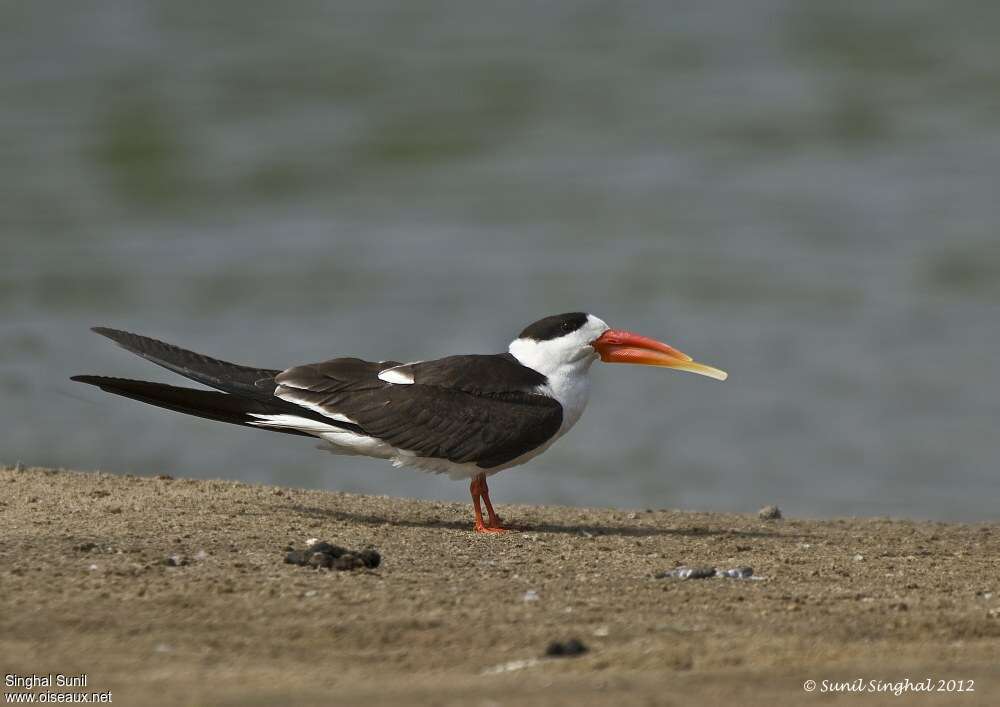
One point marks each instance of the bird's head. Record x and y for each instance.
(577, 339)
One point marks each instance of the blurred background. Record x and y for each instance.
(802, 193)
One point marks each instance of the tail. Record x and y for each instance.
(247, 396)
(201, 403)
(256, 383)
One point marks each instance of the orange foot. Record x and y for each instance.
(480, 490)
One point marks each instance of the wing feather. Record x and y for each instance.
(480, 409)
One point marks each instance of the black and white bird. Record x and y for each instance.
(468, 416)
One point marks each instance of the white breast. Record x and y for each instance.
(571, 388)
(565, 362)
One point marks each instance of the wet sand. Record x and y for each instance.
(171, 591)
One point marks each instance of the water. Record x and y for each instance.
(804, 194)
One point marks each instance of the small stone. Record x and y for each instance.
(742, 572)
(371, 558)
(332, 550)
(320, 559)
(530, 595)
(347, 562)
(323, 554)
(86, 547)
(297, 557)
(684, 572)
(769, 513)
(859, 558)
(176, 561)
(565, 649)
(164, 477)
(601, 631)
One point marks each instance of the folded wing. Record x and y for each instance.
(481, 409)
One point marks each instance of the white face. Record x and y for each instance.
(572, 350)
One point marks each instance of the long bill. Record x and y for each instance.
(617, 346)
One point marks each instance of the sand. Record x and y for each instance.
(449, 617)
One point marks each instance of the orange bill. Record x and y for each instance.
(617, 346)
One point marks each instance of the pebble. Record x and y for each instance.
(347, 561)
(769, 513)
(320, 559)
(743, 572)
(320, 554)
(327, 548)
(572, 647)
(511, 666)
(683, 572)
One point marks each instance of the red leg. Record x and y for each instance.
(478, 489)
(495, 520)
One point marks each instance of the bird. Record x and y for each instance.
(468, 416)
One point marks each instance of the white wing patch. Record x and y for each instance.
(288, 395)
(292, 421)
(337, 440)
(347, 442)
(396, 375)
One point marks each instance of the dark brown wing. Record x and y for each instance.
(337, 374)
(478, 374)
(463, 408)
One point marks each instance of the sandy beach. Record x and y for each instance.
(175, 591)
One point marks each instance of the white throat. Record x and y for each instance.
(565, 362)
